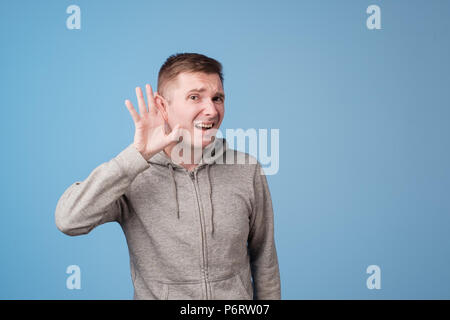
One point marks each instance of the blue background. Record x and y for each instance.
(363, 118)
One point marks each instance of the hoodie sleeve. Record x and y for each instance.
(261, 243)
(100, 197)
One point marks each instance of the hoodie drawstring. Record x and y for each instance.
(210, 199)
(174, 184)
(174, 189)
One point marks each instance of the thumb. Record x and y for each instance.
(175, 134)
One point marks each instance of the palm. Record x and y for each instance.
(150, 136)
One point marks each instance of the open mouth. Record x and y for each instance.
(204, 126)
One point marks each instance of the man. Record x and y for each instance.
(196, 228)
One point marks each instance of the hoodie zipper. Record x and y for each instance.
(193, 175)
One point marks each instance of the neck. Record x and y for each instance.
(195, 158)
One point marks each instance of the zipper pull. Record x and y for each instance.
(191, 173)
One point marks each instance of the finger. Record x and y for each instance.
(133, 111)
(141, 101)
(150, 99)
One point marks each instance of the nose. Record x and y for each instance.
(210, 110)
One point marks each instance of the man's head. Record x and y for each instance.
(190, 93)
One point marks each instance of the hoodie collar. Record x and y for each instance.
(210, 154)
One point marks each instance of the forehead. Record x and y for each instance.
(186, 81)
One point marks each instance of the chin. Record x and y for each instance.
(203, 145)
(205, 140)
(208, 141)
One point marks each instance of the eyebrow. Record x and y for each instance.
(218, 94)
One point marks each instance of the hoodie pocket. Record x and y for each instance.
(149, 290)
(183, 291)
(232, 288)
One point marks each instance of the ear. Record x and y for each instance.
(161, 103)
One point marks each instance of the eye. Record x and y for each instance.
(218, 99)
(193, 96)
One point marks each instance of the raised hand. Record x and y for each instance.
(150, 136)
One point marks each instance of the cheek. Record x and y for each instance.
(181, 114)
(221, 111)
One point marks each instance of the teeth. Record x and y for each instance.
(202, 125)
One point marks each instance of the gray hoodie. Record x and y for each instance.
(201, 234)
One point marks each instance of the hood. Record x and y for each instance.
(210, 154)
